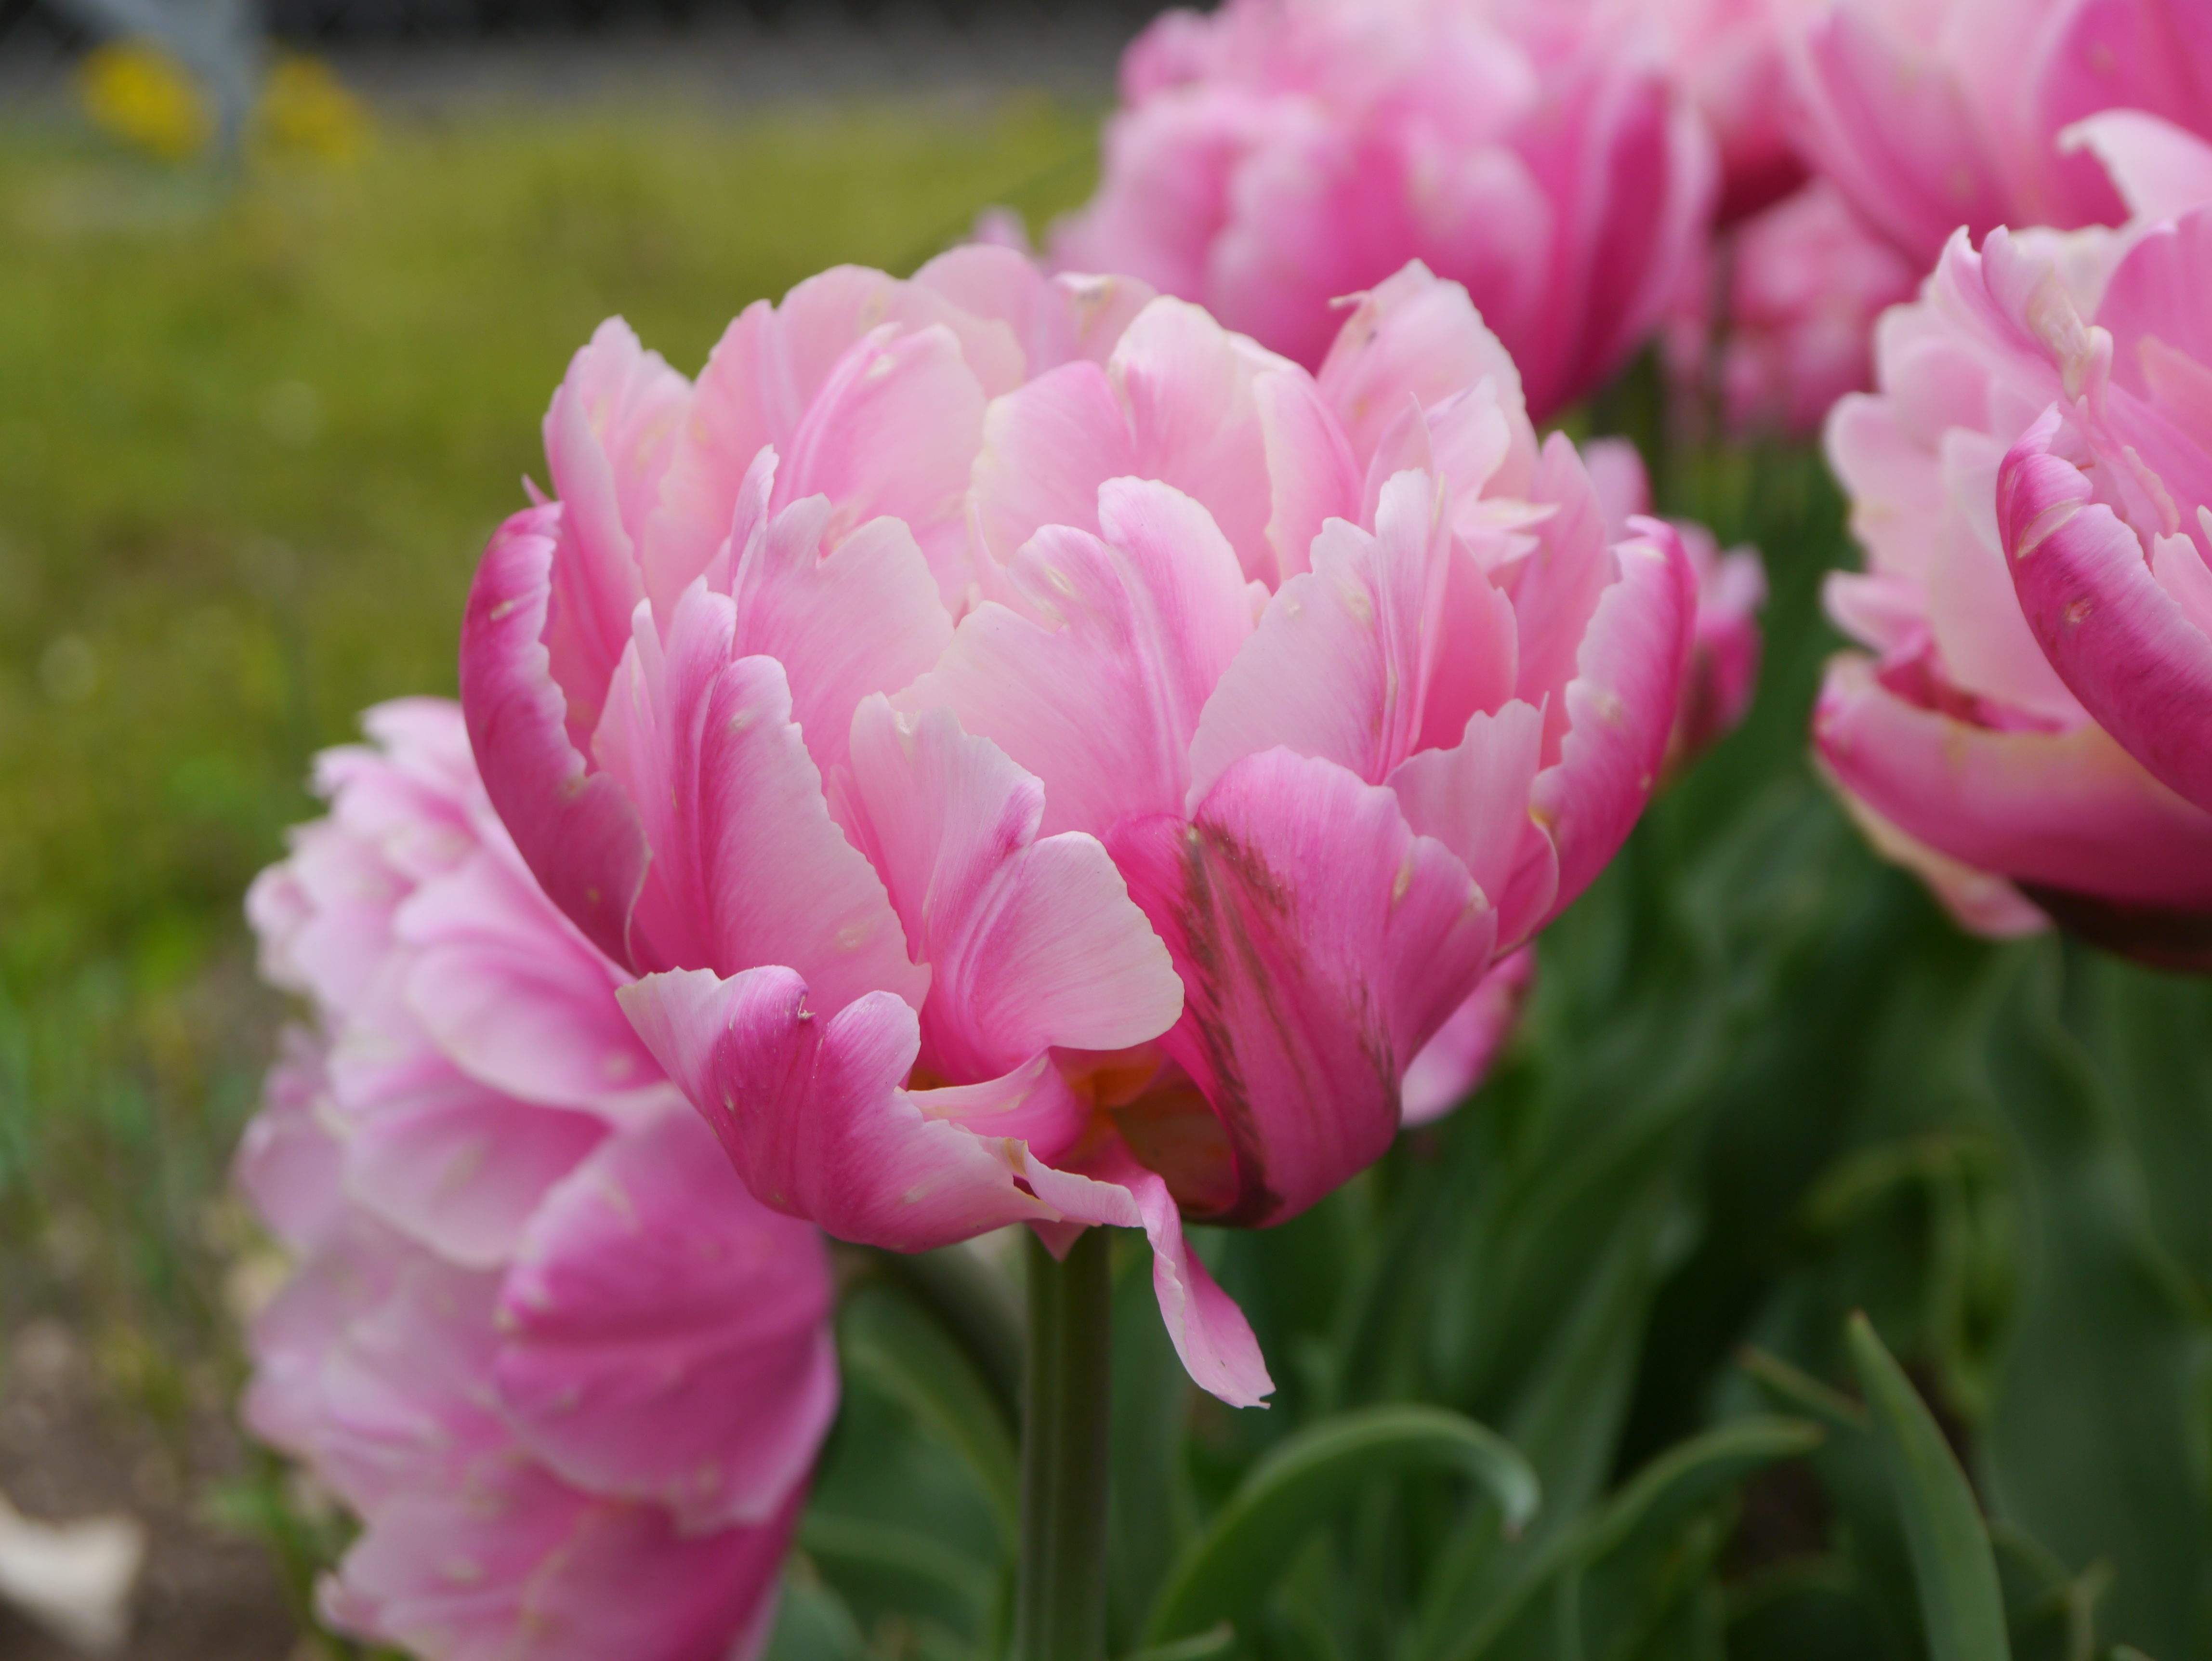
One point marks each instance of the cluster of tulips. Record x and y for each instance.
(1087, 739)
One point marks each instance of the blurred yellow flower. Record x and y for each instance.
(305, 110)
(140, 93)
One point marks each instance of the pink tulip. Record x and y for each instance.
(1108, 852)
(1278, 153)
(2031, 734)
(569, 1373)
(1726, 54)
(1804, 282)
(1933, 114)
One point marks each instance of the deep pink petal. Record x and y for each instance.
(2121, 641)
(1209, 1333)
(2069, 810)
(812, 1112)
(578, 832)
(1320, 945)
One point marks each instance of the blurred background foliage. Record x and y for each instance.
(256, 427)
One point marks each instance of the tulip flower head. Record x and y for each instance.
(567, 1374)
(2034, 486)
(1276, 155)
(1051, 760)
(1929, 115)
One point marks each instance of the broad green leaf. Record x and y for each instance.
(1230, 1568)
(1803, 1612)
(897, 1566)
(2091, 1445)
(1960, 1601)
(1208, 1646)
(907, 1356)
(813, 1624)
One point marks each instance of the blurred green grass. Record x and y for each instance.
(254, 433)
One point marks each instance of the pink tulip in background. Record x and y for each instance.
(568, 1374)
(1276, 155)
(1931, 114)
(1051, 760)
(1727, 57)
(1800, 287)
(2043, 430)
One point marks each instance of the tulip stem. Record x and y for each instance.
(1059, 1589)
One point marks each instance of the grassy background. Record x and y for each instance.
(254, 433)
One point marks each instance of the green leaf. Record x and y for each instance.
(1241, 1555)
(1216, 1640)
(907, 1356)
(1957, 1572)
(887, 1566)
(813, 1624)
(2091, 1443)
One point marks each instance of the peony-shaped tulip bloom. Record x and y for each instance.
(567, 1374)
(1804, 281)
(2031, 731)
(1056, 765)
(1276, 155)
(1929, 115)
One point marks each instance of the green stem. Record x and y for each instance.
(1059, 1589)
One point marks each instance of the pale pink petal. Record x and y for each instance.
(845, 620)
(893, 432)
(2160, 170)
(514, 997)
(1100, 698)
(1980, 902)
(578, 832)
(512, 1562)
(1452, 1065)
(1030, 944)
(608, 437)
(1338, 667)
(664, 1337)
(461, 1170)
(1416, 335)
(288, 1164)
(1474, 797)
(1056, 319)
(1046, 449)
(1320, 945)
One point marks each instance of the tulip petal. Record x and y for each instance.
(1100, 698)
(2160, 171)
(2067, 810)
(1621, 707)
(1209, 1333)
(577, 832)
(845, 620)
(1320, 945)
(1453, 1064)
(2120, 639)
(1416, 335)
(812, 1111)
(748, 867)
(1030, 944)
(1339, 665)
(459, 1572)
(665, 1337)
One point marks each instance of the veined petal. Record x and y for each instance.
(1320, 945)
